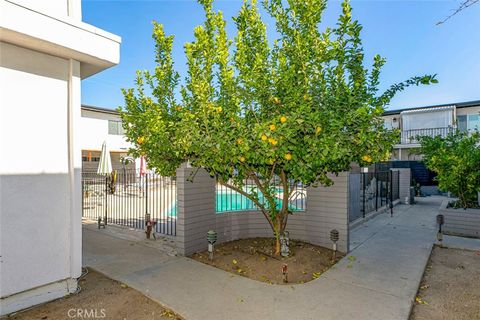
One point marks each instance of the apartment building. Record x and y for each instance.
(96, 126)
(436, 120)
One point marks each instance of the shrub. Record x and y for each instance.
(456, 161)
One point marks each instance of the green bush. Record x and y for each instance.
(456, 161)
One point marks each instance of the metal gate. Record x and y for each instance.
(370, 191)
(127, 196)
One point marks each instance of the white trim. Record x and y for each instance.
(422, 110)
(66, 38)
(35, 296)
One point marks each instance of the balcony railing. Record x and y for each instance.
(412, 136)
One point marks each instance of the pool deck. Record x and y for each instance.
(377, 280)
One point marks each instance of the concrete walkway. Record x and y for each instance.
(378, 280)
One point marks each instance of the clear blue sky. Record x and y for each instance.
(404, 32)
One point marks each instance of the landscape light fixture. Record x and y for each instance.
(211, 238)
(284, 244)
(101, 224)
(440, 222)
(334, 236)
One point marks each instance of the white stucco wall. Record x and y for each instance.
(39, 244)
(45, 51)
(31, 24)
(469, 110)
(56, 8)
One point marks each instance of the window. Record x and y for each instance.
(115, 127)
(388, 124)
(427, 118)
(468, 122)
(473, 122)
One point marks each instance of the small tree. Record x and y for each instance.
(294, 109)
(456, 161)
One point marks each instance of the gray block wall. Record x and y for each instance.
(461, 222)
(327, 209)
(405, 177)
(195, 209)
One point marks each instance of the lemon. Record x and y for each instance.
(288, 156)
(272, 127)
(239, 141)
(273, 141)
(264, 137)
(283, 119)
(318, 130)
(140, 140)
(367, 158)
(242, 159)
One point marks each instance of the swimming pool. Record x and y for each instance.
(234, 201)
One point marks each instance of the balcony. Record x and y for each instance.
(412, 136)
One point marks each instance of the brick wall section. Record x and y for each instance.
(327, 209)
(195, 210)
(404, 183)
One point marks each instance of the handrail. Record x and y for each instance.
(411, 136)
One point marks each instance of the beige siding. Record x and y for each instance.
(326, 210)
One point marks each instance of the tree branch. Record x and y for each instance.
(464, 5)
(262, 189)
(249, 196)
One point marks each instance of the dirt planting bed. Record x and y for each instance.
(450, 289)
(99, 298)
(255, 259)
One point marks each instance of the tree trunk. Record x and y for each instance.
(277, 246)
(279, 230)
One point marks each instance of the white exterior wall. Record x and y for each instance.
(57, 8)
(94, 130)
(40, 153)
(39, 244)
(469, 110)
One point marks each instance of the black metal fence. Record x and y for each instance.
(420, 173)
(231, 200)
(370, 191)
(127, 198)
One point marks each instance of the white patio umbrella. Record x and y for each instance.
(105, 164)
(105, 169)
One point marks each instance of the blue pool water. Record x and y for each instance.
(232, 201)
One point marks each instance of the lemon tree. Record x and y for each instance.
(456, 161)
(292, 110)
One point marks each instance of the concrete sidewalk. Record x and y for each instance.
(378, 280)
